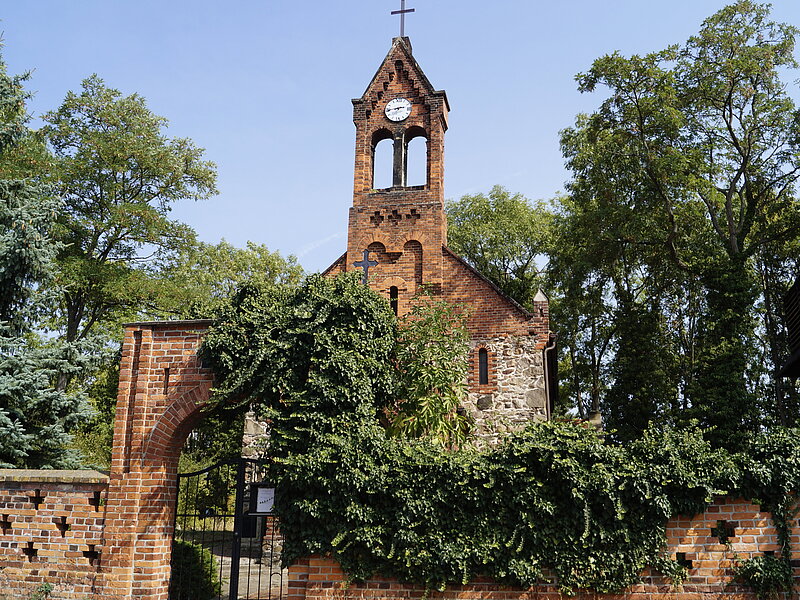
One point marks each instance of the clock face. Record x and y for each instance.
(397, 109)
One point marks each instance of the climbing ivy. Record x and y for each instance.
(554, 502)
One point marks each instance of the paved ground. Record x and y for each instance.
(258, 579)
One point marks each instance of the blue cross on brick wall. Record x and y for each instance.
(365, 264)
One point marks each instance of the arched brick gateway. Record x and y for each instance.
(162, 389)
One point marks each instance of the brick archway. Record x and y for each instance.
(163, 387)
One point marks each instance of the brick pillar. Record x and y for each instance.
(162, 388)
(298, 579)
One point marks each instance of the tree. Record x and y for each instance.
(118, 175)
(639, 393)
(503, 236)
(35, 418)
(203, 277)
(692, 161)
(431, 357)
(329, 351)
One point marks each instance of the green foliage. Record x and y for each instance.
(42, 592)
(194, 572)
(35, 418)
(767, 576)
(502, 235)
(554, 501)
(639, 393)
(93, 439)
(118, 175)
(26, 212)
(312, 358)
(207, 493)
(202, 277)
(720, 397)
(682, 204)
(431, 355)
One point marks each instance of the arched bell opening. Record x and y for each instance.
(416, 157)
(383, 151)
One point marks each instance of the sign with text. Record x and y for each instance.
(262, 499)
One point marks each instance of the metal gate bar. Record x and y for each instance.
(215, 534)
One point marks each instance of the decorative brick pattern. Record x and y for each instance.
(46, 541)
(405, 230)
(36, 548)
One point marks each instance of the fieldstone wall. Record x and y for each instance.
(515, 394)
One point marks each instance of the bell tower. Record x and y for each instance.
(397, 241)
(403, 227)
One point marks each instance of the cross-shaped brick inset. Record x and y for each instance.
(92, 554)
(376, 218)
(724, 531)
(29, 551)
(37, 499)
(395, 217)
(62, 525)
(5, 524)
(413, 215)
(95, 500)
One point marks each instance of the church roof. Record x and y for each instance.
(403, 45)
(528, 314)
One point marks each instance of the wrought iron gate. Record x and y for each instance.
(227, 544)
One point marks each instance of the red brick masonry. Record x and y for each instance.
(53, 530)
(320, 578)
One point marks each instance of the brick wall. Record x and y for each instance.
(163, 387)
(51, 531)
(320, 578)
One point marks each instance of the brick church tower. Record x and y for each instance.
(398, 237)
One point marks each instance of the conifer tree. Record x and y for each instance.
(35, 418)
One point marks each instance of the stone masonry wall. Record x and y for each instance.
(51, 531)
(515, 394)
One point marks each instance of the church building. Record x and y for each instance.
(397, 237)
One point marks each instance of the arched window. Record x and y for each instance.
(393, 298)
(416, 156)
(483, 366)
(382, 159)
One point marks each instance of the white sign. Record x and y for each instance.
(265, 499)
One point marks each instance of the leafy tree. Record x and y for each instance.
(639, 393)
(117, 174)
(202, 277)
(298, 353)
(431, 357)
(35, 418)
(504, 236)
(286, 350)
(94, 438)
(692, 160)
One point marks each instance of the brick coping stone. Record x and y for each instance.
(173, 323)
(52, 476)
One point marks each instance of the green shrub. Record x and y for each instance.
(554, 502)
(767, 576)
(194, 573)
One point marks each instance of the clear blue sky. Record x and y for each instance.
(265, 88)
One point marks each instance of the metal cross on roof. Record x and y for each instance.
(365, 264)
(402, 12)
